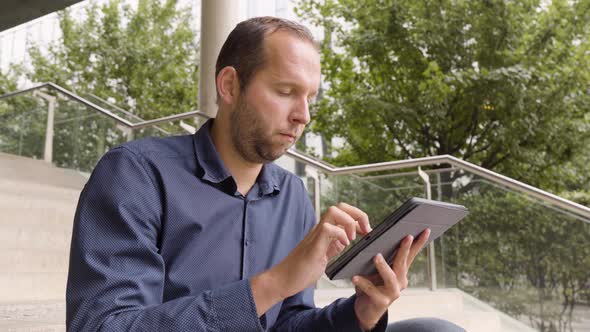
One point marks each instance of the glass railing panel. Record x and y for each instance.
(111, 107)
(165, 129)
(23, 121)
(92, 134)
(82, 135)
(525, 258)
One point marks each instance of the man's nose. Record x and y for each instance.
(300, 113)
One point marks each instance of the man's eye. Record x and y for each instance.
(285, 92)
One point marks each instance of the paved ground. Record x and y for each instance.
(47, 316)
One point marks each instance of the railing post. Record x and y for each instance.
(439, 197)
(51, 100)
(127, 131)
(318, 195)
(430, 249)
(314, 174)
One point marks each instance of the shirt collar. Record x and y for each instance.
(213, 170)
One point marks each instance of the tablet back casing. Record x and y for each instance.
(435, 215)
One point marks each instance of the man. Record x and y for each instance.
(203, 233)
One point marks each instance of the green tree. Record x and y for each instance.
(8, 82)
(497, 83)
(141, 59)
(145, 59)
(502, 84)
(21, 123)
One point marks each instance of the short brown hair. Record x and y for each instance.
(244, 47)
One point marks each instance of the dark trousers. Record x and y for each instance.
(423, 325)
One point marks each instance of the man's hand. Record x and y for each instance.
(376, 293)
(307, 262)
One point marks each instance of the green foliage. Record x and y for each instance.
(144, 59)
(502, 84)
(513, 252)
(521, 256)
(21, 123)
(22, 127)
(8, 82)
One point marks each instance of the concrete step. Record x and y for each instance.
(33, 261)
(412, 300)
(30, 286)
(50, 315)
(37, 204)
(507, 323)
(42, 217)
(447, 304)
(38, 191)
(30, 201)
(37, 171)
(11, 325)
(21, 235)
(46, 316)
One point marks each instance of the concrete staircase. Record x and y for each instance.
(37, 203)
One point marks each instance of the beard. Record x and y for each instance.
(250, 136)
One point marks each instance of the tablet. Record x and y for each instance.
(411, 218)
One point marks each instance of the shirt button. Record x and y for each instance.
(247, 243)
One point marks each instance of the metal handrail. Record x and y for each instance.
(120, 120)
(544, 196)
(113, 106)
(567, 205)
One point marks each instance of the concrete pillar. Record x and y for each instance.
(218, 18)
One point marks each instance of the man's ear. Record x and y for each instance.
(228, 85)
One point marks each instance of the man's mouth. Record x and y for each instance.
(289, 136)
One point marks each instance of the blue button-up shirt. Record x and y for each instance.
(163, 241)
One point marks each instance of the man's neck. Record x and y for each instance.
(243, 172)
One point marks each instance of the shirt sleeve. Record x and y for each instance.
(116, 274)
(298, 312)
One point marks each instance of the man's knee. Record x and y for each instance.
(424, 325)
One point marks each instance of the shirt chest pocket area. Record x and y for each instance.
(203, 242)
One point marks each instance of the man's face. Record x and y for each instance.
(273, 110)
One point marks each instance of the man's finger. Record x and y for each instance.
(328, 233)
(334, 249)
(418, 245)
(386, 273)
(337, 217)
(400, 262)
(362, 219)
(371, 290)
